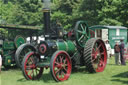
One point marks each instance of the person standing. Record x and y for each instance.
(122, 53)
(117, 52)
(108, 47)
(0, 62)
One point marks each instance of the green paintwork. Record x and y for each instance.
(8, 60)
(67, 46)
(82, 33)
(19, 40)
(44, 62)
(11, 26)
(8, 45)
(113, 38)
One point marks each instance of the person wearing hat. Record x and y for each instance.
(122, 45)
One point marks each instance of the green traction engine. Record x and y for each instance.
(62, 52)
(11, 40)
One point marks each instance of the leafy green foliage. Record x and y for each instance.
(29, 12)
(67, 12)
(7, 12)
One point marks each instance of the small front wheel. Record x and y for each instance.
(29, 68)
(60, 66)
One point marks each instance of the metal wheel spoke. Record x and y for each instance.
(36, 71)
(61, 74)
(81, 38)
(57, 63)
(61, 59)
(28, 61)
(65, 69)
(32, 60)
(31, 72)
(82, 27)
(93, 59)
(79, 31)
(101, 63)
(58, 66)
(29, 67)
(65, 61)
(102, 53)
(97, 49)
(57, 71)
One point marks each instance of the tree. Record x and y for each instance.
(7, 12)
(110, 12)
(62, 10)
(29, 12)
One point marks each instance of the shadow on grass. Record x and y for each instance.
(121, 75)
(82, 70)
(118, 80)
(113, 64)
(47, 78)
(22, 80)
(10, 68)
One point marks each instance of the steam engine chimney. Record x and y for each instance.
(46, 11)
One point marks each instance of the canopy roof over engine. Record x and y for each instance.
(23, 27)
(107, 27)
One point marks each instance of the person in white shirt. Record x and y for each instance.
(108, 48)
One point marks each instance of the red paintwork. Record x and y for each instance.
(99, 58)
(62, 66)
(30, 67)
(45, 48)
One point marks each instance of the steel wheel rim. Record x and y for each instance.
(30, 68)
(99, 57)
(62, 66)
(23, 53)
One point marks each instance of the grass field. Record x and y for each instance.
(113, 75)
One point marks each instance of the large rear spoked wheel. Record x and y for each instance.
(21, 52)
(29, 68)
(95, 55)
(60, 66)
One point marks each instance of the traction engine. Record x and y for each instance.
(62, 52)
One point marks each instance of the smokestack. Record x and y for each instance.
(46, 11)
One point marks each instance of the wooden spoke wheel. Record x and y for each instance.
(60, 66)
(81, 33)
(29, 68)
(95, 55)
(21, 52)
